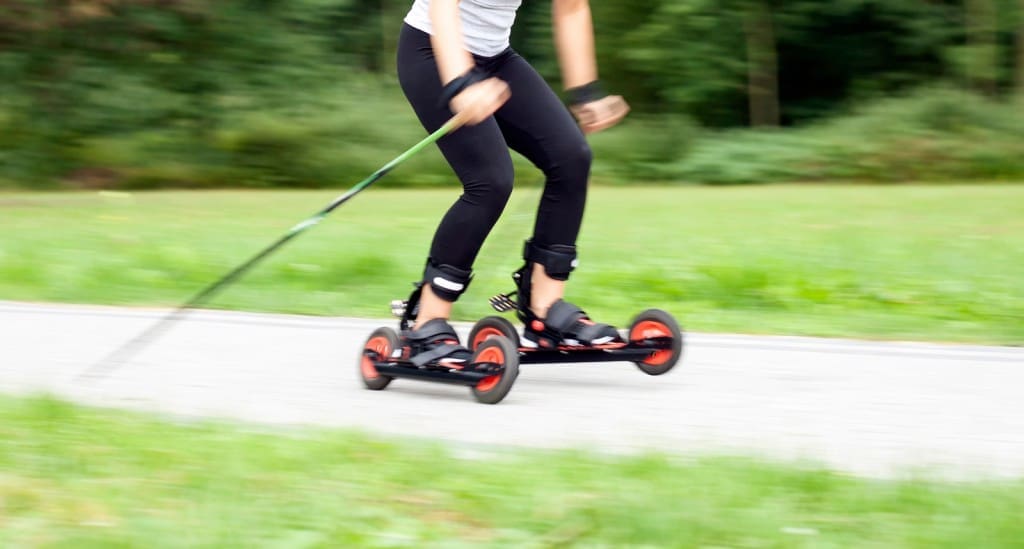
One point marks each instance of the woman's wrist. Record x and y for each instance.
(587, 93)
(460, 83)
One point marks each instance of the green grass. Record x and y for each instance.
(891, 262)
(80, 477)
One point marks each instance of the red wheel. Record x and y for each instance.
(382, 342)
(655, 323)
(498, 350)
(492, 326)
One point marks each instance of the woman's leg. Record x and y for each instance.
(537, 125)
(480, 158)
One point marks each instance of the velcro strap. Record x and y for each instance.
(439, 352)
(558, 259)
(568, 320)
(589, 332)
(432, 331)
(562, 315)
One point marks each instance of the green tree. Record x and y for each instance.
(982, 45)
(713, 60)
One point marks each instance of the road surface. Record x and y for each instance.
(873, 409)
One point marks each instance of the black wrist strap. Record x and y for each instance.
(586, 93)
(460, 83)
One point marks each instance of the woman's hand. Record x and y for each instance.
(479, 101)
(600, 114)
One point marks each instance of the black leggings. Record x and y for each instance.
(533, 122)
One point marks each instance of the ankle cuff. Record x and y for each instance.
(446, 281)
(559, 260)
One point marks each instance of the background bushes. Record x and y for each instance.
(265, 93)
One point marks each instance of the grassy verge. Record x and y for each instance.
(920, 262)
(79, 477)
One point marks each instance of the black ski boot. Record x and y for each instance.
(435, 343)
(567, 325)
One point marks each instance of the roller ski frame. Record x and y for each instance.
(386, 355)
(654, 341)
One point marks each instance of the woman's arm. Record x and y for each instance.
(574, 40)
(473, 98)
(453, 60)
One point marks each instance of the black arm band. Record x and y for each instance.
(460, 83)
(586, 93)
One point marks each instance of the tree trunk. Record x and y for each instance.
(762, 65)
(1020, 50)
(390, 23)
(982, 44)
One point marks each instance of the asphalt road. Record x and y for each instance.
(875, 409)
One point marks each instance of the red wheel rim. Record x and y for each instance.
(648, 329)
(379, 345)
(485, 333)
(491, 354)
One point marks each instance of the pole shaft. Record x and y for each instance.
(108, 364)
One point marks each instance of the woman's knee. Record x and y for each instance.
(581, 156)
(572, 163)
(492, 189)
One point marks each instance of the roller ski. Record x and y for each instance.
(654, 341)
(433, 353)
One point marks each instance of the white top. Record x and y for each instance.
(486, 24)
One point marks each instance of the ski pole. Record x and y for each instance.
(111, 362)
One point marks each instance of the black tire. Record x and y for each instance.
(384, 341)
(490, 327)
(500, 350)
(663, 324)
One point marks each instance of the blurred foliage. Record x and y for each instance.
(931, 135)
(146, 93)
